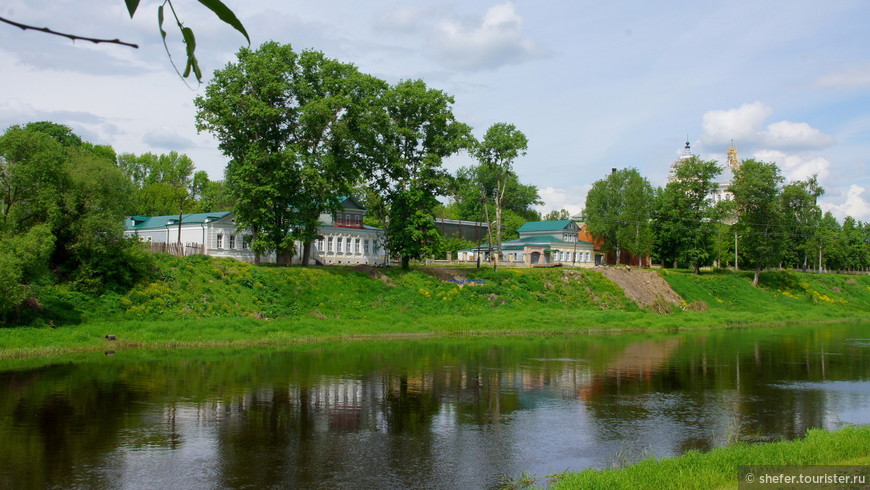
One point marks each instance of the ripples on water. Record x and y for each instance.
(425, 414)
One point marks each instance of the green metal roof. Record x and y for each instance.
(158, 222)
(557, 225)
(533, 241)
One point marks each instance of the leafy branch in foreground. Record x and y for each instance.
(216, 6)
(73, 37)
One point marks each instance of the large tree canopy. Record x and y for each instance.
(62, 206)
(687, 215)
(289, 122)
(501, 145)
(406, 139)
(759, 210)
(619, 210)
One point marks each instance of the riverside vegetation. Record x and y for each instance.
(718, 467)
(201, 301)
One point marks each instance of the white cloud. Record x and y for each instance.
(742, 124)
(572, 198)
(404, 19)
(795, 167)
(854, 205)
(496, 40)
(168, 139)
(789, 134)
(855, 77)
(745, 125)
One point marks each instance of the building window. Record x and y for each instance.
(357, 220)
(246, 242)
(329, 244)
(320, 245)
(220, 240)
(356, 246)
(232, 241)
(347, 244)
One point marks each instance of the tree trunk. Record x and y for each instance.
(618, 253)
(406, 263)
(488, 228)
(497, 233)
(306, 252)
(755, 278)
(820, 259)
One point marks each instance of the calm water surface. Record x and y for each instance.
(443, 413)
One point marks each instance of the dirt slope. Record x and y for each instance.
(643, 287)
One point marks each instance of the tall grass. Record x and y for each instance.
(199, 300)
(719, 467)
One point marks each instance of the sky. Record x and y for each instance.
(593, 85)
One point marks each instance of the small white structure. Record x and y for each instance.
(343, 239)
(541, 242)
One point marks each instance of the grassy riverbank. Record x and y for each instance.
(719, 467)
(203, 301)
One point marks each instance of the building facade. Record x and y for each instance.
(343, 240)
(540, 243)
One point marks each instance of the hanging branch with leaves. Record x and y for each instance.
(192, 66)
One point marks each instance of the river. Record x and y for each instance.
(433, 413)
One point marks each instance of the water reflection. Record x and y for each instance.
(427, 414)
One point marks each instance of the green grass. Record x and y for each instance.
(719, 467)
(202, 301)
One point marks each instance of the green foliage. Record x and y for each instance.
(801, 217)
(759, 210)
(686, 216)
(163, 183)
(719, 467)
(62, 204)
(23, 261)
(290, 124)
(406, 137)
(780, 293)
(217, 7)
(619, 210)
(501, 145)
(557, 215)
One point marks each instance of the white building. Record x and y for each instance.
(343, 239)
(723, 182)
(541, 242)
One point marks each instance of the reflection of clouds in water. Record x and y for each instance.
(558, 360)
(858, 342)
(861, 387)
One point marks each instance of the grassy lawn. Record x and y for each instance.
(202, 301)
(719, 468)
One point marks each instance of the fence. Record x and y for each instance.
(177, 249)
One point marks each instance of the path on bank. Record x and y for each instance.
(642, 286)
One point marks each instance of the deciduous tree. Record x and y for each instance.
(501, 145)
(759, 210)
(406, 140)
(618, 211)
(686, 216)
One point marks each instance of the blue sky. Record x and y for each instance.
(594, 85)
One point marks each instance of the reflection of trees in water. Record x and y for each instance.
(410, 411)
(56, 420)
(715, 388)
